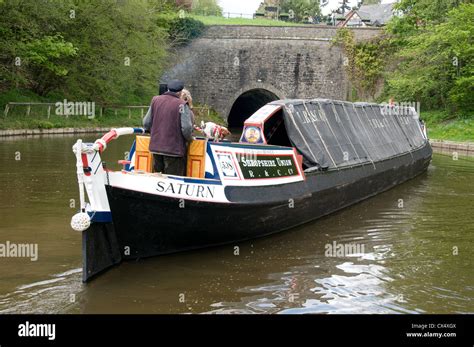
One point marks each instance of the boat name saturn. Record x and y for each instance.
(191, 190)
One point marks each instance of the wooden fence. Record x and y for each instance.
(101, 107)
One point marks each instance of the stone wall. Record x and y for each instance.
(452, 148)
(289, 62)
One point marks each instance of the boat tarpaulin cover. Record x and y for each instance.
(335, 134)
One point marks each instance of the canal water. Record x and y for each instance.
(414, 250)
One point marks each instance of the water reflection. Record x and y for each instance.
(409, 234)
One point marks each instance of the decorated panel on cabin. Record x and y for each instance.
(254, 126)
(267, 166)
(239, 164)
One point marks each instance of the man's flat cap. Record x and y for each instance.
(175, 86)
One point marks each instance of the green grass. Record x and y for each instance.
(212, 116)
(19, 95)
(214, 20)
(442, 126)
(38, 118)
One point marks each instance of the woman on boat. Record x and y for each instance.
(188, 99)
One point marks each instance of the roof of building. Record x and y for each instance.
(379, 13)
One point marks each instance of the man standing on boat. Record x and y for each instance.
(169, 121)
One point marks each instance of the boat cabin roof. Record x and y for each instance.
(266, 127)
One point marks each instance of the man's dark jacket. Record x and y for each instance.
(167, 136)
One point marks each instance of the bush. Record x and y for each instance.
(365, 62)
(183, 30)
(437, 64)
(41, 124)
(101, 50)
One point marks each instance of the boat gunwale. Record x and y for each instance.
(307, 173)
(263, 203)
(312, 173)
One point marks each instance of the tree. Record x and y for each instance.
(344, 6)
(101, 50)
(33, 55)
(183, 30)
(302, 9)
(48, 61)
(207, 7)
(121, 51)
(437, 65)
(415, 14)
(184, 4)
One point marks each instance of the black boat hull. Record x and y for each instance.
(146, 225)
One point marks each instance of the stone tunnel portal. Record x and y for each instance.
(245, 105)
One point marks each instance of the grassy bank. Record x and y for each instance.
(17, 118)
(442, 126)
(214, 20)
(38, 120)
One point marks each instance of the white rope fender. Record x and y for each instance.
(80, 221)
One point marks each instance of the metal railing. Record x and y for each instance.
(225, 14)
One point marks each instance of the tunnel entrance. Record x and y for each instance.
(245, 105)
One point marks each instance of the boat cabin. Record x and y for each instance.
(263, 152)
(266, 126)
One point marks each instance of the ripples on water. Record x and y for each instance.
(54, 295)
(410, 266)
(407, 265)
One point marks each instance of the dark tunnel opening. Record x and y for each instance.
(245, 105)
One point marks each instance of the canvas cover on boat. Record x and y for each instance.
(335, 134)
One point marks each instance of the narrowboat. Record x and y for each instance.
(296, 161)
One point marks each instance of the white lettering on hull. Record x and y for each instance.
(169, 187)
(190, 190)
